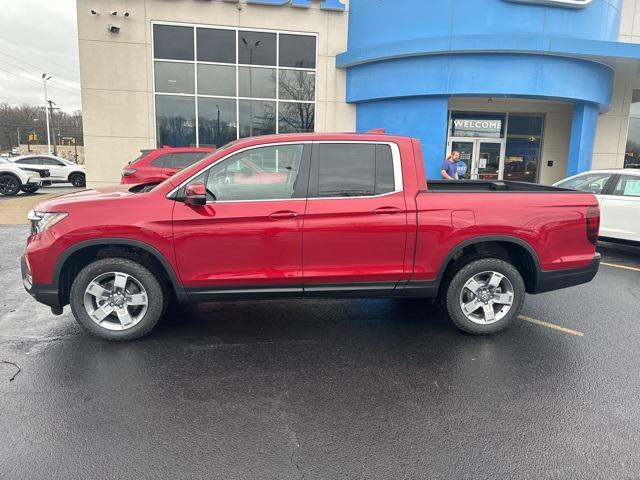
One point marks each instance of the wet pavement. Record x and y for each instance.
(326, 389)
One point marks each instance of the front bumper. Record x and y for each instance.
(35, 181)
(47, 294)
(555, 280)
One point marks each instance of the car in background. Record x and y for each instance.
(14, 178)
(62, 170)
(43, 172)
(155, 166)
(618, 192)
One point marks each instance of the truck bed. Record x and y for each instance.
(489, 185)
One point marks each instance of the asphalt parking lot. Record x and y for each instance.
(326, 389)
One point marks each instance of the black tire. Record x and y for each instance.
(467, 271)
(155, 298)
(77, 180)
(30, 188)
(9, 184)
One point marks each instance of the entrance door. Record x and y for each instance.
(484, 158)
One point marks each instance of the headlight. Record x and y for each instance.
(41, 221)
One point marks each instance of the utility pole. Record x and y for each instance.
(45, 78)
(50, 114)
(18, 138)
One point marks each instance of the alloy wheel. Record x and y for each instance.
(487, 297)
(8, 185)
(116, 301)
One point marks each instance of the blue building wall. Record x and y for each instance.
(407, 57)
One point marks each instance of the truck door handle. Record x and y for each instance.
(283, 215)
(387, 210)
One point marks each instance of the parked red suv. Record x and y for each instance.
(157, 165)
(308, 215)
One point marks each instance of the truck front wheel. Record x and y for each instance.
(117, 299)
(484, 296)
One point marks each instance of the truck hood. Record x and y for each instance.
(58, 203)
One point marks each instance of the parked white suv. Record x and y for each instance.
(618, 192)
(14, 178)
(62, 171)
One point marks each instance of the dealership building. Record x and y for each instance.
(531, 90)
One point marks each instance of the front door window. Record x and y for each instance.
(479, 159)
(488, 163)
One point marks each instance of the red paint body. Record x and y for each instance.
(405, 236)
(142, 169)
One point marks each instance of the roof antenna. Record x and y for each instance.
(379, 131)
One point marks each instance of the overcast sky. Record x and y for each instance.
(39, 36)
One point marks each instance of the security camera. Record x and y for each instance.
(93, 12)
(114, 13)
(126, 14)
(113, 29)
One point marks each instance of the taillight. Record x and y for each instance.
(593, 224)
(127, 172)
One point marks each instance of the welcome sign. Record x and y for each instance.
(335, 5)
(556, 3)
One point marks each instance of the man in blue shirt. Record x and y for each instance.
(449, 169)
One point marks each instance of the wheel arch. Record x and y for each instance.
(515, 250)
(16, 175)
(76, 257)
(76, 172)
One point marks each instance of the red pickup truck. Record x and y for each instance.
(343, 215)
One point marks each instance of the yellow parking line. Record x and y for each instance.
(623, 267)
(551, 325)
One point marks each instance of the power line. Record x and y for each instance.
(40, 69)
(37, 55)
(55, 87)
(60, 85)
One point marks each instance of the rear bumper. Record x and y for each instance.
(555, 280)
(47, 294)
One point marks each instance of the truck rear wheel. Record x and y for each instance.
(117, 299)
(484, 296)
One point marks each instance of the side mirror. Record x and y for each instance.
(195, 195)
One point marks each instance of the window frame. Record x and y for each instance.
(301, 193)
(315, 169)
(195, 62)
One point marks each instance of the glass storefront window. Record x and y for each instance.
(496, 146)
(217, 122)
(174, 77)
(524, 147)
(175, 120)
(242, 83)
(257, 48)
(171, 42)
(296, 117)
(297, 51)
(257, 117)
(297, 85)
(216, 45)
(477, 124)
(218, 80)
(257, 82)
(632, 152)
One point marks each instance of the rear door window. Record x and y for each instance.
(184, 160)
(628, 186)
(29, 161)
(592, 182)
(354, 170)
(163, 161)
(178, 160)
